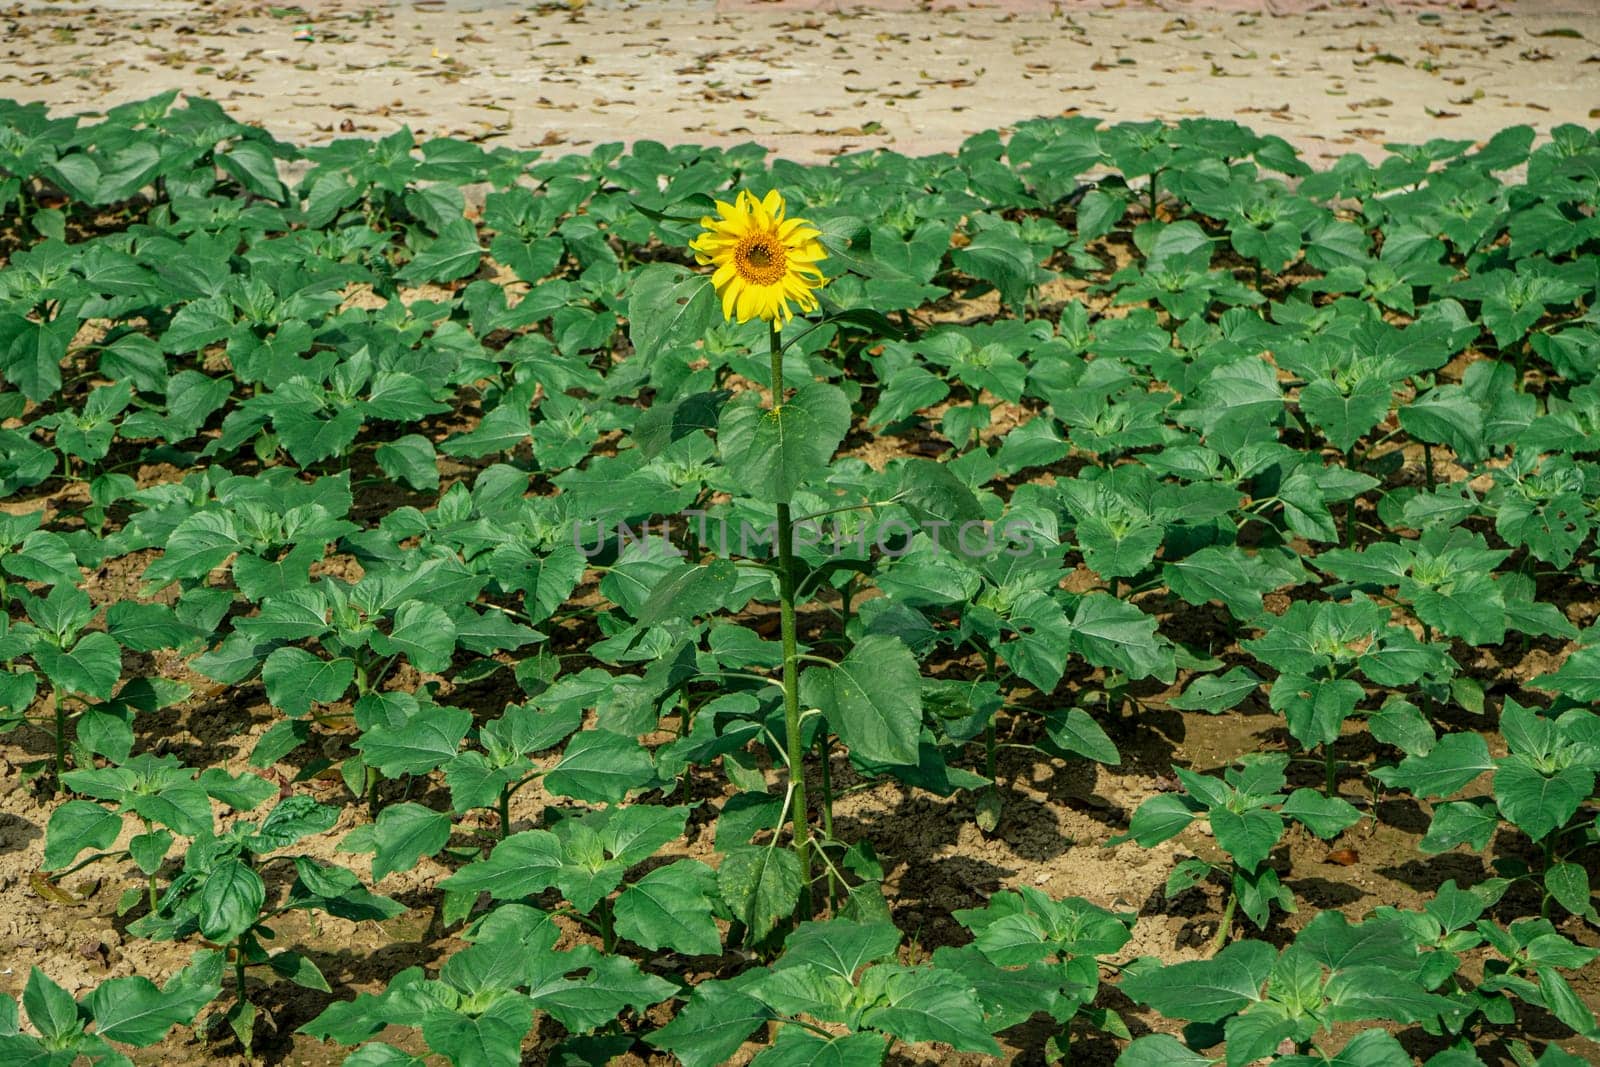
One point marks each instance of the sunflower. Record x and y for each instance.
(764, 262)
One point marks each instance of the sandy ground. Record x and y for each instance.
(813, 78)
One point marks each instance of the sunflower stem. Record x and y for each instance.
(791, 663)
(1225, 924)
(61, 736)
(824, 744)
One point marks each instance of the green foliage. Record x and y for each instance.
(496, 569)
(1246, 812)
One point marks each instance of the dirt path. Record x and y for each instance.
(812, 78)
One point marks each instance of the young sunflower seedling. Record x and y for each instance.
(1246, 812)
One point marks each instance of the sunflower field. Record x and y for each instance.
(1111, 594)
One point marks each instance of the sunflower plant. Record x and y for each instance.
(767, 267)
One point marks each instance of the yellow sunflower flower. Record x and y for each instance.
(764, 262)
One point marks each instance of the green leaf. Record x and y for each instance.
(453, 255)
(1075, 731)
(295, 818)
(1453, 762)
(1455, 909)
(183, 806)
(492, 1039)
(17, 691)
(926, 1004)
(404, 833)
(669, 307)
(671, 908)
(872, 699)
(760, 885)
(1217, 693)
(31, 353)
(1381, 993)
(1565, 1005)
(1578, 676)
(1009, 995)
(75, 826)
(595, 1050)
(1205, 991)
(1043, 633)
(807, 991)
(147, 627)
(1113, 633)
(150, 850)
(802, 1048)
(132, 1011)
(51, 1009)
(296, 680)
(1256, 1035)
(695, 589)
(1467, 822)
(197, 324)
(769, 454)
(839, 947)
(1248, 836)
(1447, 415)
(1162, 1050)
(410, 459)
(1344, 417)
(231, 899)
(1237, 403)
(1327, 817)
(198, 544)
(92, 666)
(1568, 883)
(1536, 802)
(614, 983)
(1334, 942)
(252, 164)
(424, 633)
(243, 793)
(938, 500)
(600, 767)
(545, 581)
(300, 970)
(501, 430)
(519, 866)
(907, 391)
(1469, 607)
(424, 742)
(712, 1026)
(280, 739)
(999, 256)
(1158, 819)
(1098, 212)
